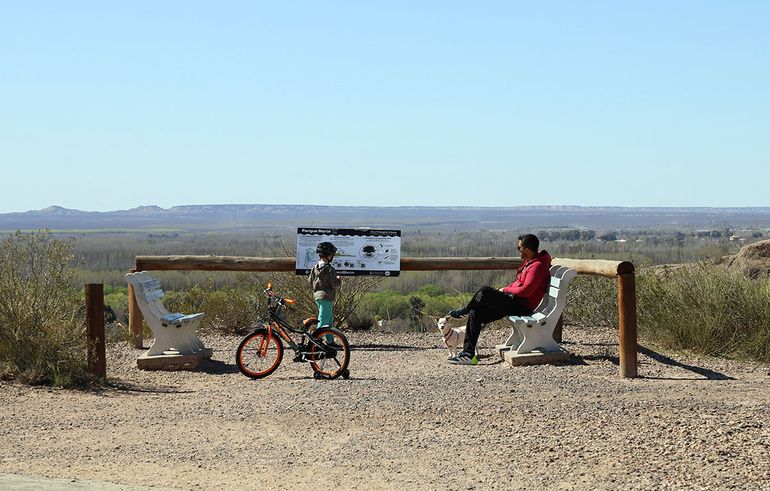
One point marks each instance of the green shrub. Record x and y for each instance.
(229, 310)
(116, 298)
(233, 309)
(346, 302)
(418, 306)
(42, 337)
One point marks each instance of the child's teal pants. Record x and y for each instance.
(325, 316)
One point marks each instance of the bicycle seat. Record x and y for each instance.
(309, 322)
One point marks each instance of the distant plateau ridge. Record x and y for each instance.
(285, 217)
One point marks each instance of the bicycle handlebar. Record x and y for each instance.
(279, 299)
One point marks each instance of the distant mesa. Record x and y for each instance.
(146, 209)
(283, 217)
(56, 210)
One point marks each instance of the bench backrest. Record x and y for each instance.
(148, 294)
(556, 298)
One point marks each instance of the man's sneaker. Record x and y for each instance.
(458, 313)
(464, 359)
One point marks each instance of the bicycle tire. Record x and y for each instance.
(258, 360)
(329, 367)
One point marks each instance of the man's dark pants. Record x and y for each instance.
(489, 304)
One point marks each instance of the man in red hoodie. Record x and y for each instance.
(519, 298)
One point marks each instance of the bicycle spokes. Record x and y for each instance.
(259, 354)
(329, 359)
(262, 350)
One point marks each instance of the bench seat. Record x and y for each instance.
(535, 332)
(174, 332)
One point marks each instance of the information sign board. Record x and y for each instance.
(360, 251)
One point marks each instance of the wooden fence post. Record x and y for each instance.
(97, 364)
(627, 324)
(134, 318)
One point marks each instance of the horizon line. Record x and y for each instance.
(466, 207)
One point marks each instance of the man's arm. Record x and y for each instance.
(530, 284)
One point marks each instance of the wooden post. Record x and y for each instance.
(134, 319)
(97, 365)
(627, 321)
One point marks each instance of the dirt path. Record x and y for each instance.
(405, 419)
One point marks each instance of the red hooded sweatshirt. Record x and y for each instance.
(532, 279)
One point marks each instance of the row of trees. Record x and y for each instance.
(112, 255)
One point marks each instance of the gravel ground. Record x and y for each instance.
(405, 419)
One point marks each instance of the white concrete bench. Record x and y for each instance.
(176, 345)
(535, 332)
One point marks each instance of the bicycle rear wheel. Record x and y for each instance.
(258, 354)
(331, 358)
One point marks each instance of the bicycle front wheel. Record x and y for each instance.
(259, 354)
(330, 359)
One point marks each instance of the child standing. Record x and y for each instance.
(324, 282)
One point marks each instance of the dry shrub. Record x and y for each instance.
(42, 336)
(360, 322)
(707, 309)
(592, 301)
(699, 307)
(234, 309)
(346, 302)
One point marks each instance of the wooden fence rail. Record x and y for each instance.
(622, 270)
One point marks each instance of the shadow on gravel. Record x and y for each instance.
(351, 379)
(385, 347)
(591, 344)
(578, 360)
(660, 358)
(216, 367)
(491, 359)
(129, 387)
(581, 360)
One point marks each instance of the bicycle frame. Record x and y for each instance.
(316, 344)
(279, 325)
(275, 322)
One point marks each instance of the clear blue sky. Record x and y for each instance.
(113, 105)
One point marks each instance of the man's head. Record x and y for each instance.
(528, 246)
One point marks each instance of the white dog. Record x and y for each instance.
(453, 336)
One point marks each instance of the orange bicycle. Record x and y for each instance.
(260, 353)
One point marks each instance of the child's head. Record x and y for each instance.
(326, 250)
